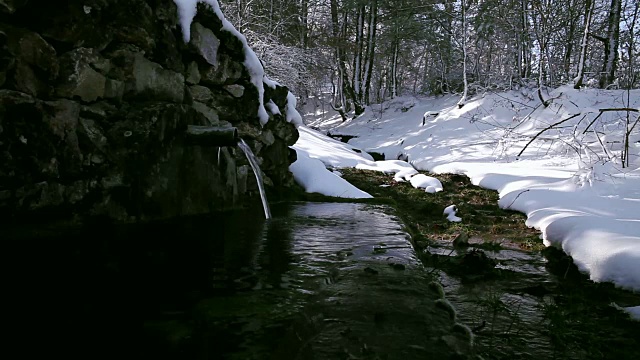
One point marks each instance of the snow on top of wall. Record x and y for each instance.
(293, 116)
(187, 11)
(270, 83)
(273, 108)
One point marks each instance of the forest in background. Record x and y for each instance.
(368, 51)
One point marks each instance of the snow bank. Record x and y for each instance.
(314, 177)
(430, 184)
(335, 154)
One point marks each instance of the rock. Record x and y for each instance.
(135, 35)
(68, 24)
(10, 99)
(112, 181)
(201, 94)
(39, 196)
(235, 90)
(267, 137)
(461, 240)
(148, 80)
(26, 80)
(205, 43)
(87, 56)
(114, 89)
(242, 174)
(91, 136)
(226, 72)
(28, 62)
(208, 112)
(98, 111)
(85, 83)
(75, 192)
(169, 49)
(247, 131)
(32, 49)
(193, 74)
(187, 98)
(231, 175)
(476, 262)
(81, 76)
(62, 116)
(110, 209)
(277, 95)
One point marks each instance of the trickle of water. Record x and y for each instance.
(256, 170)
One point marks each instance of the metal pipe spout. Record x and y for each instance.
(212, 135)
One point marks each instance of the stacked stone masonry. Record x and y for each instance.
(95, 97)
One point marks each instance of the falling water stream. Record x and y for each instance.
(256, 170)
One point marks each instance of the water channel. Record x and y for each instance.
(317, 281)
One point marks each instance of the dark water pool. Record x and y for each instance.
(318, 281)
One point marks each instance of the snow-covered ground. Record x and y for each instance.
(569, 181)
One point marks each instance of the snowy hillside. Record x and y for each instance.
(569, 180)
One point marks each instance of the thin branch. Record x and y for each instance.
(591, 123)
(605, 110)
(620, 109)
(514, 200)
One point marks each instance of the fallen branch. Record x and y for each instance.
(545, 129)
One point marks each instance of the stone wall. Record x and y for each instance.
(95, 98)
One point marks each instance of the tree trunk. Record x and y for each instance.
(394, 68)
(589, 4)
(525, 66)
(371, 46)
(631, 47)
(607, 77)
(304, 20)
(463, 99)
(540, 33)
(339, 33)
(570, 34)
(358, 55)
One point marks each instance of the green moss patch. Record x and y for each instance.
(488, 226)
